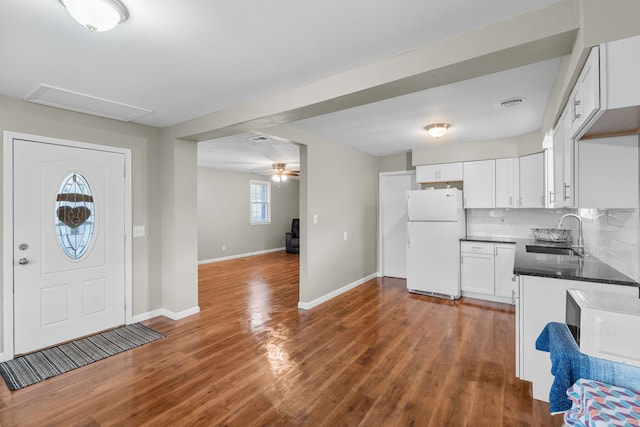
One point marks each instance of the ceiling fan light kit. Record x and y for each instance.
(436, 130)
(280, 172)
(96, 15)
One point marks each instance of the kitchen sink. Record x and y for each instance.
(554, 250)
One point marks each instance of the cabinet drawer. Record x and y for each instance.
(476, 247)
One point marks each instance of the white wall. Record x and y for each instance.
(223, 214)
(340, 186)
(23, 117)
(479, 150)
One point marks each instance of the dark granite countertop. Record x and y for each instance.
(587, 268)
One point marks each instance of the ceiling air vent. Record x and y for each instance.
(259, 138)
(511, 102)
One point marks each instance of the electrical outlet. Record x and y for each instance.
(345, 235)
(501, 220)
(224, 247)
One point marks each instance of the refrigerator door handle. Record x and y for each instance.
(409, 207)
(408, 234)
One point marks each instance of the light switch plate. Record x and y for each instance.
(138, 231)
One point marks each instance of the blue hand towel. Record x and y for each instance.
(568, 365)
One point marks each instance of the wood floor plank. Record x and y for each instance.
(373, 356)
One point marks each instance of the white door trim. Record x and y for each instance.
(381, 177)
(7, 228)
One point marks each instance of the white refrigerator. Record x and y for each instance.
(436, 225)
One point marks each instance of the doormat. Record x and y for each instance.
(35, 367)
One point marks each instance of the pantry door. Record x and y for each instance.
(393, 187)
(69, 242)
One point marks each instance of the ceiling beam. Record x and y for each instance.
(525, 39)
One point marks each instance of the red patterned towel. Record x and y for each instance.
(599, 404)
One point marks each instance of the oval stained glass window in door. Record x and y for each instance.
(74, 216)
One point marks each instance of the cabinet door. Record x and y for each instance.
(567, 166)
(562, 163)
(507, 182)
(505, 280)
(532, 181)
(556, 192)
(451, 172)
(623, 68)
(479, 184)
(477, 273)
(427, 173)
(444, 172)
(585, 98)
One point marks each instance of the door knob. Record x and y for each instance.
(23, 261)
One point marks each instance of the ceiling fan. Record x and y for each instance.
(280, 172)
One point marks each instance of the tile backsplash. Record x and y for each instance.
(610, 235)
(512, 222)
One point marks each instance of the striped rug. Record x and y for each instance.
(35, 367)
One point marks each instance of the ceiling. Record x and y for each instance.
(182, 60)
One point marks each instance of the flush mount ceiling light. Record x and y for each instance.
(436, 130)
(96, 15)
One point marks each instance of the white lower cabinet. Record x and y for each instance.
(486, 271)
(542, 300)
(505, 280)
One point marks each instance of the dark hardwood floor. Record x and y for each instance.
(374, 356)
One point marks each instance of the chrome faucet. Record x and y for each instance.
(580, 244)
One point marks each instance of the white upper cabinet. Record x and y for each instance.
(584, 101)
(562, 194)
(531, 181)
(479, 184)
(608, 172)
(620, 78)
(606, 98)
(445, 172)
(507, 182)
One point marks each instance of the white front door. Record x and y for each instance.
(69, 242)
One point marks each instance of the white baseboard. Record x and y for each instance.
(166, 313)
(330, 295)
(225, 258)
